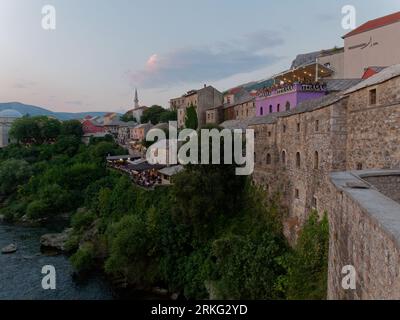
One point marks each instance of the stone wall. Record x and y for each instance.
(374, 130)
(389, 185)
(318, 140)
(364, 233)
(351, 133)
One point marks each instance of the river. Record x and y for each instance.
(21, 277)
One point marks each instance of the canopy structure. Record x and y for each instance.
(311, 72)
(144, 166)
(123, 158)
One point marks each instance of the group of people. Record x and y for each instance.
(307, 85)
(147, 179)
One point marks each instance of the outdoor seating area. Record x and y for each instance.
(140, 171)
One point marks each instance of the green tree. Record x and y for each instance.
(152, 114)
(168, 115)
(307, 264)
(12, 174)
(127, 117)
(25, 130)
(50, 128)
(191, 120)
(72, 127)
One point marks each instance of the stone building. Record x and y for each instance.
(340, 154)
(203, 100)
(238, 103)
(124, 132)
(7, 117)
(112, 127)
(138, 133)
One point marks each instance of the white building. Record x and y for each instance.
(137, 111)
(7, 117)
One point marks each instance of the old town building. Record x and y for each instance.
(202, 100)
(373, 44)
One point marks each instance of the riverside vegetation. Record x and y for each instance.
(211, 234)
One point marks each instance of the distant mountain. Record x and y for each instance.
(26, 109)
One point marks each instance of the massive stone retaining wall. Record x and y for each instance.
(352, 132)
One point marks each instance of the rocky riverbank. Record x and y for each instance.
(21, 271)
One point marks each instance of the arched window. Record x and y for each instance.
(270, 108)
(268, 159)
(298, 160)
(316, 160)
(287, 106)
(278, 108)
(284, 157)
(261, 111)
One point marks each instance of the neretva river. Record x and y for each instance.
(21, 277)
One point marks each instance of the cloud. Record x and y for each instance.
(24, 84)
(220, 60)
(74, 102)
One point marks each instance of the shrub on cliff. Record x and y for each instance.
(83, 259)
(307, 263)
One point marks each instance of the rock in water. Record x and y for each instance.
(11, 248)
(55, 240)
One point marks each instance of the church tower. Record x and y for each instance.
(136, 100)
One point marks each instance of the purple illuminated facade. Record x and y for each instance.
(286, 98)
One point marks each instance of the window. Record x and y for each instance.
(317, 125)
(268, 159)
(284, 128)
(297, 193)
(270, 108)
(284, 157)
(278, 108)
(298, 127)
(316, 160)
(287, 106)
(261, 111)
(314, 203)
(298, 160)
(359, 166)
(269, 133)
(372, 97)
(247, 113)
(255, 157)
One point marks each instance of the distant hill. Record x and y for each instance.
(26, 109)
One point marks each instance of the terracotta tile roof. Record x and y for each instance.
(376, 23)
(385, 75)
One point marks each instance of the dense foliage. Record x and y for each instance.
(157, 114)
(191, 120)
(43, 176)
(211, 234)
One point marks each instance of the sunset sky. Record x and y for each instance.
(101, 50)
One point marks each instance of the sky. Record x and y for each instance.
(101, 50)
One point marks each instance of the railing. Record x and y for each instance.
(296, 87)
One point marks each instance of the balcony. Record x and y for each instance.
(290, 88)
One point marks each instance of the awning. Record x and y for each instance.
(145, 166)
(122, 158)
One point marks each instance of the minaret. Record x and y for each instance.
(136, 99)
